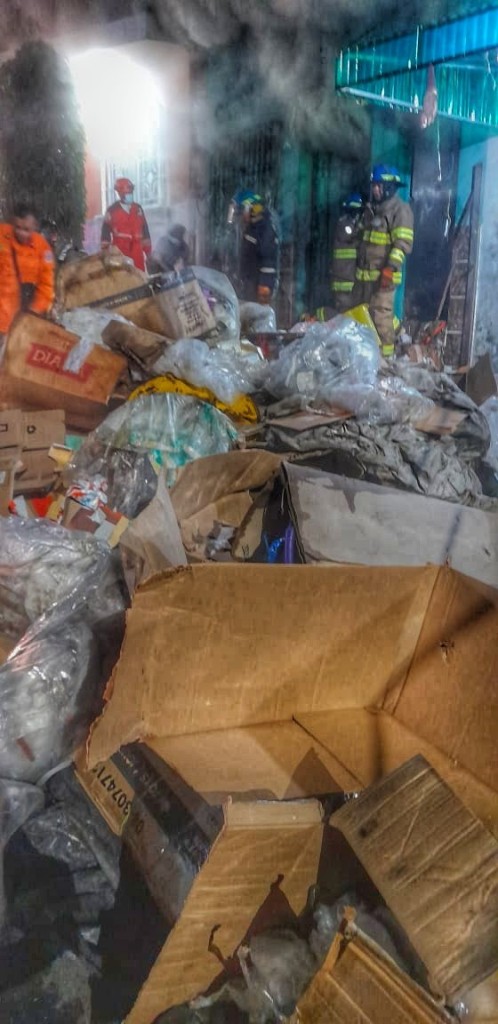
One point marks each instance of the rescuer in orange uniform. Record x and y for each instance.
(125, 225)
(27, 278)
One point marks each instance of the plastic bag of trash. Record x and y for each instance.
(88, 324)
(52, 682)
(222, 372)
(164, 430)
(490, 410)
(223, 303)
(389, 400)
(41, 564)
(18, 801)
(328, 357)
(257, 319)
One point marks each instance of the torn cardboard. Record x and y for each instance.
(436, 867)
(338, 519)
(140, 346)
(218, 490)
(103, 276)
(34, 377)
(359, 983)
(311, 679)
(152, 542)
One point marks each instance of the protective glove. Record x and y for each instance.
(386, 278)
(264, 295)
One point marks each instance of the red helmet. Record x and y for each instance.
(123, 185)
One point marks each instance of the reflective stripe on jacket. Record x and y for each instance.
(128, 230)
(387, 240)
(35, 266)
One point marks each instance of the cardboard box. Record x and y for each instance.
(103, 276)
(338, 519)
(422, 847)
(33, 375)
(185, 308)
(298, 680)
(142, 347)
(359, 983)
(40, 431)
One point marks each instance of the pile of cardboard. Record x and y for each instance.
(287, 687)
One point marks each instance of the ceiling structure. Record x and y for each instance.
(463, 53)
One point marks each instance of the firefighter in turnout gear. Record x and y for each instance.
(259, 248)
(125, 225)
(387, 241)
(347, 238)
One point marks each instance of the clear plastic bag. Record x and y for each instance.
(221, 371)
(329, 357)
(389, 400)
(52, 682)
(18, 801)
(169, 430)
(223, 302)
(257, 319)
(490, 410)
(41, 564)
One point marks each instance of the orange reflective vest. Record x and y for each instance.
(127, 229)
(31, 264)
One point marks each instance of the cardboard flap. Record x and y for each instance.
(338, 519)
(261, 761)
(372, 744)
(11, 429)
(358, 983)
(254, 870)
(223, 646)
(437, 868)
(450, 694)
(204, 481)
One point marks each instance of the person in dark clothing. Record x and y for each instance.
(171, 252)
(259, 248)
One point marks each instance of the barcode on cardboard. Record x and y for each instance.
(111, 793)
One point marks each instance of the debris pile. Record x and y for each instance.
(270, 795)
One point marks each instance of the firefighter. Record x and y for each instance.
(347, 238)
(125, 225)
(259, 248)
(27, 279)
(387, 241)
(171, 253)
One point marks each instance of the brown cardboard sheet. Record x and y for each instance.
(449, 696)
(249, 644)
(372, 743)
(151, 542)
(338, 519)
(261, 865)
(437, 868)
(108, 274)
(277, 761)
(358, 984)
(218, 490)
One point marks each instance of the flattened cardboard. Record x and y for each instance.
(260, 844)
(34, 377)
(275, 641)
(338, 519)
(358, 983)
(152, 541)
(437, 868)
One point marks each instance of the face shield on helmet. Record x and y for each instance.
(384, 182)
(245, 203)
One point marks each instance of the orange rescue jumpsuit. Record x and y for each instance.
(31, 264)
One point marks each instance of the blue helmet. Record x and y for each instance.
(246, 197)
(354, 201)
(388, 177)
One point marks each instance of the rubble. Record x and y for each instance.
(241, 744)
